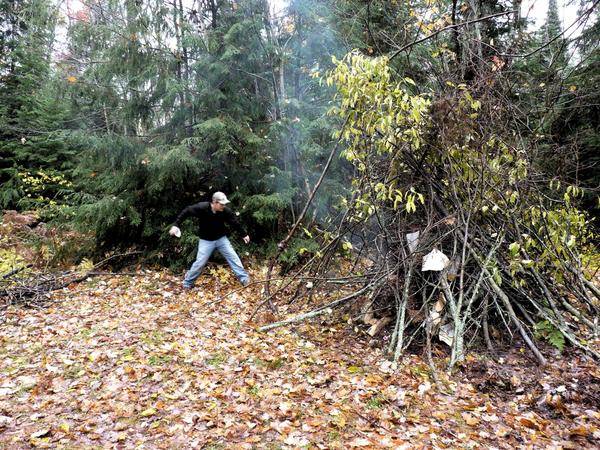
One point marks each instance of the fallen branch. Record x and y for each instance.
(316, 312)
(16, 271)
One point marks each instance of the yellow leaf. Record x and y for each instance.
(212, 406)
(130, 371)
(71, 79)
(65, 427)
(572, 88)
(353, 369)
(148, 412)
(340, 421)
(85, 265)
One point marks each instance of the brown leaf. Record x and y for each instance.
(529, 423)
(580, 430)
(470, 419)
(515, 381)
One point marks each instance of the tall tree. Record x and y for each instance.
(32, 108)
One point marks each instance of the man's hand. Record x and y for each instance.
(246, 239)
(175, 231)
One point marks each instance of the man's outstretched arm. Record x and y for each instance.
(189, 211)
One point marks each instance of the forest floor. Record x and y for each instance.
(133, 362)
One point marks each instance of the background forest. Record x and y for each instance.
(116, 115)
(117, 118)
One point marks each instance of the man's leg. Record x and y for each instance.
(225, 248)
(205, 249)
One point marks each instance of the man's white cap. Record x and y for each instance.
(219, 197)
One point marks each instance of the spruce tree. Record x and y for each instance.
(32, 112)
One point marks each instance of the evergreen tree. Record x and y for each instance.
(574, 148)
(178, 112)
(32, 112)
(555, 53)
(153, 105)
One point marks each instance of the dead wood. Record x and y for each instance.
(34, 289)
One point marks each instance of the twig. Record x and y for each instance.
(449, 27)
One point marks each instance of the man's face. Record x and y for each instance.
(217, 207)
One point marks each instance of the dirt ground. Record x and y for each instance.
(133, 362)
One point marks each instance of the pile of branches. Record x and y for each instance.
(466, 242)
(29, 288)
(32, 289)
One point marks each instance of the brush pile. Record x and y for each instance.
(467, 242)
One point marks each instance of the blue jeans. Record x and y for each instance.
(205, 249)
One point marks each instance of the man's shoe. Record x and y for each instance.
(245, 282)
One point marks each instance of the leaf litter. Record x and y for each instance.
(134, 362)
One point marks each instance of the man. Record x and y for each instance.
(213, 235)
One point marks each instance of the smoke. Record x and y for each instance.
(302, 135)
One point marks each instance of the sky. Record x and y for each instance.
(538, 9)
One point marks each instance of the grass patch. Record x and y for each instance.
(86, 333)
(334, 436)
(216, 359)
(128, 354)
(154, 338)
(35, 349)
(421, 371)
(159, 360)
(74, 371)
(214, 446)
(17, 364)
(253, 391)
(259, 362)
(272, 364)
(276, 363)
(152, 285)
(375, 403)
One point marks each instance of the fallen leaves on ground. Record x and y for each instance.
(134, 362)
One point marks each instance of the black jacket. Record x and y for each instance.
(211, 224)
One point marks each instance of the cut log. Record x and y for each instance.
(378, 326)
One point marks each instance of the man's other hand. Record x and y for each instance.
(246, 239)
(175, 231)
